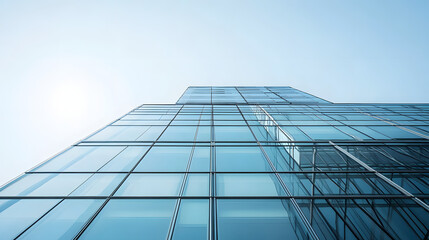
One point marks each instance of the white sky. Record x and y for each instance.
(68, 68)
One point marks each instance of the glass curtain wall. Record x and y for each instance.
(234, 163)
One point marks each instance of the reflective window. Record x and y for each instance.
(99, 185)
(125, 160)
(119, 133)
(324, 133)
(64, 221)
(80, 159)
(200, 160)
(248, 185)
(366, 218)
(179, 133)
(16, 215)
(233, 133)
(165, 159)
(132, 219)
(44, 185)
(151, 185)
(257, 219)
(193, 220)
(241, 159)
(197, 185)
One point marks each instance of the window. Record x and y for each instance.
(132, 219)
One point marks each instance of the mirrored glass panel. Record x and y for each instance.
(125, 160)
(64, 221)
(132, 219)
(258, 219)
(197, 185)
(241, 159)
(245, 184)
(151, 185)
(78, 159)
(17, 215)
(165, 159)
(42, 184)
(192, 220)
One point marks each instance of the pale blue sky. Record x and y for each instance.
(68, 68)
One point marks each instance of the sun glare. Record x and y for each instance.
(69, 100)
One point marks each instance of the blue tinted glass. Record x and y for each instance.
(165, 159)
(193, 220)
(99, 185)
(248, 185)
(203, 134)
(324, 133)
(241, 159)
(179, 133)
(200, 160)
(17, 215)
(257, 219)
(233, 133)
(44, 185)
(280, 157)
(197, 185)
(132, 219)
(64, 221)
(119, 133)
(151, 185)
(395, 132)
(294, 134)
(151, 134)
(126, 160)
(80, 159)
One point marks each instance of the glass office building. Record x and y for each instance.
(234, 163)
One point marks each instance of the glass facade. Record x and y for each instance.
(234, 163)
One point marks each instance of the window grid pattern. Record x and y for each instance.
(249, 163)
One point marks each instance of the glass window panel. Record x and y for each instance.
(268, 133)
(119, 133)
(415, 183)
(99, 185)
(233, 133)
(258, 219)
(197, 185)
(203, 134)
(151, 134)
(241, 159)
(126, 160)
(336, 184)
(227, 116)
(366, 218)
(200, 160)
(64, 221)
(16, 215)
(192, 220)
(395, 132)
(80, 159)
(393, 157)
(132, 219)
(165, 159)
(355, 134)
(179, 133)
(44, 185)
(370, 132)
(294, 134)
(324, 133)
(151, 185)
(325, 159)
(248, 185)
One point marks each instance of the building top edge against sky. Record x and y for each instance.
(247, 95)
